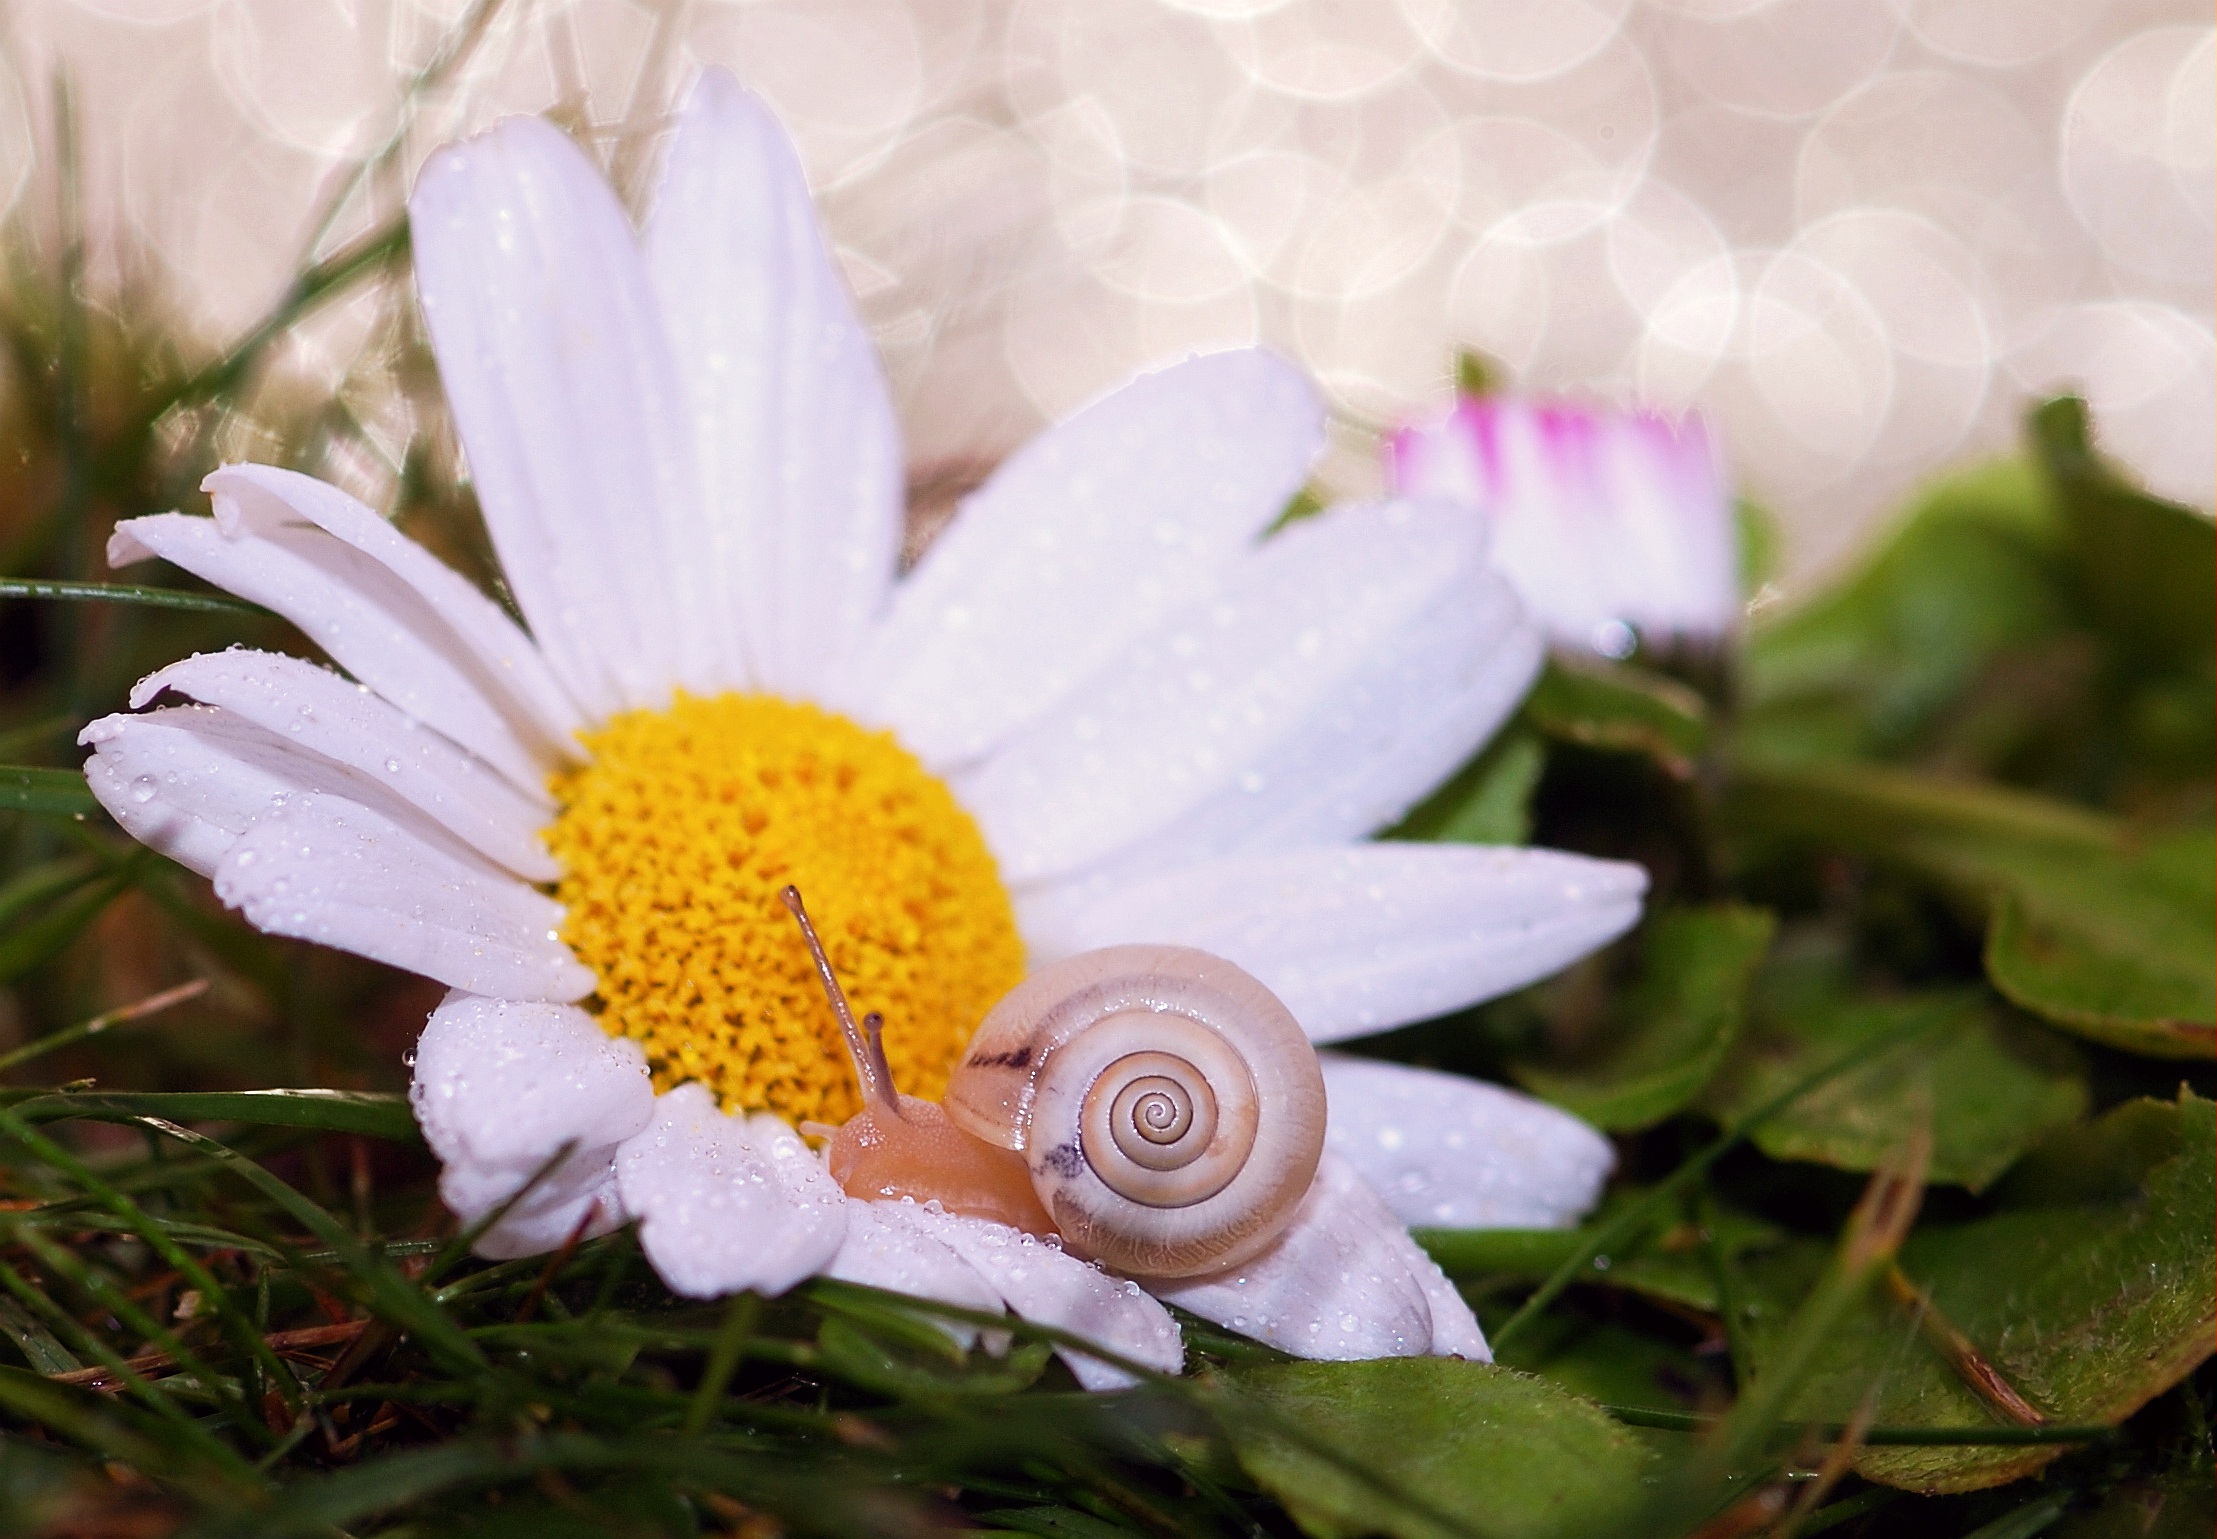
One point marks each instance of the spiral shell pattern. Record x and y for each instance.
(1169, 1107)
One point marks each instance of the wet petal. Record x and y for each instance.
(505, 1082)
(724, 1205)
(368, 619)
(500, 659)
(1454, 1152)
(886, 1248)
(1048, 1287)
(189, 780)
(1082, 542)
(800, 523)
(1223, 687)
(499, 1086)
(578, 1197)
(1455, 1329)
(558, 371)
(1417, 708)
(326, 869)
(1358, 938)
(320, 713)
(1338, 1285)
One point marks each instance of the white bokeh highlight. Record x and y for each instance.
(1856, 233)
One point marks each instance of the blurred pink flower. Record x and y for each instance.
(1613, 525)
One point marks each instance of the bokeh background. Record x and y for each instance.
(1856, 232)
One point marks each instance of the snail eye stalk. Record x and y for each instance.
(866, 1042)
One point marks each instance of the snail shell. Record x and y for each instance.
(1169, 1108)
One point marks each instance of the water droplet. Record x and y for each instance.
(1613, 638)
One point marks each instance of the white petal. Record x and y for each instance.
(503, 1083)
(1358, 938)
(320, 713)
(368, 620)
(1337, 1286)
(885, 1249)
(558, 370)
(1417, 708)
(1454, 1152)
(578, 1197)
(499, 1086)
(723, 1207)
(800, 453)
(499, 657)
(1085, 540)
(1455, 1328)
(325, 869)
(1224, 687)
(189, 780)
(1603, 517)
(315, 850)
(1048, 1287)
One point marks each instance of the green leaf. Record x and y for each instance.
(1861, 669)
(1762, 546)
(1668, 1033)
(1667, 1260)
(2100, 933)
(1620, 709)
(1609, 1361)
(2142, 564)
(373, 1114)
(1991, 1086)
(1426, 1446)
(2092, 1288)
(50, 792)
(1489, 800)
(2116, 949)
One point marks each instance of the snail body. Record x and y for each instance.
(1155, 1107)
(915, 1151)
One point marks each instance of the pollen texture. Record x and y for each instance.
(677, 837)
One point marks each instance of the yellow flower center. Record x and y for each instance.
(677, 837)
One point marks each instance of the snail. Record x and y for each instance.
(1155, 1107)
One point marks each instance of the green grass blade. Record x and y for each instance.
(97, 1422)
(372, 1114)
(44, 884)
(392, 1295)
(236, 1325)
(46, 792)
(38, 1345)
(38, 942)
(126, 593)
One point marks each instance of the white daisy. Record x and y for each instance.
(1103, 708)
(1611, 524)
